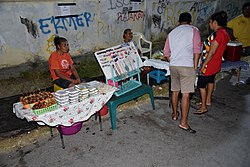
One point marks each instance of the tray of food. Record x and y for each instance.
(33, 98)
(44, 106)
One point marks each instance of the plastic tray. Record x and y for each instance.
(45, 110)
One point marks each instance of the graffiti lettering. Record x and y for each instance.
(50, 44)
(203, 10)
(130, 16)
(162, 6)
(118, 4)
(232, 10)
(172, 13)
(105, 29)
(196, 6)
(157, 21)
(80, 20)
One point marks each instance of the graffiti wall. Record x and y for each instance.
(165, 13)
(28, 28)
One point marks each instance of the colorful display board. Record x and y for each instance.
(121, 59)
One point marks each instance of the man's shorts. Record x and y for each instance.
(63, 83)
(204, 80)
(182, 78)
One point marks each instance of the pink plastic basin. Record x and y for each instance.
(70, 130)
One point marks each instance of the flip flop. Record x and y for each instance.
(198, 103)
(187, 129)
(175, 117)
(200, 111)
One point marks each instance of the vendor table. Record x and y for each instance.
(160, 65)
(71, 114)
(237, 65)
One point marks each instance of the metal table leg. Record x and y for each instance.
(100, 120)
(61, 135)
(51, 132)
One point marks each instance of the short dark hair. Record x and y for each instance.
(246, 5)
(185, 17)
(220, 18)
(58, 40)
(126, 31)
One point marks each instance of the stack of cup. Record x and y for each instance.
(62, 98)
(73, 95)
(93, 91)
(84, 93)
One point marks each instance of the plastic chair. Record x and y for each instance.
(158, 75)
(115, 101)
(140, 40)
(56, 88)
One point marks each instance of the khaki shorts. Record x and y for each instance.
(182, 78)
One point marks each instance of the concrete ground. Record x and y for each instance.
(147, 138)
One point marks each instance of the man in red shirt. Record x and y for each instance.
(211, 58)
(61, 65)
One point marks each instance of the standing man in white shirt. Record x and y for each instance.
(182, 50)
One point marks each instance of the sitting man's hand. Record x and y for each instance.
(78, 80)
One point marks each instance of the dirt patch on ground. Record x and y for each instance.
(22, 85)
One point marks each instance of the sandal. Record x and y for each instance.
(208, 104)
(200, 111)
(175, 117)
(188, 129)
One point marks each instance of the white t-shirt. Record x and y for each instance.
(181, 45)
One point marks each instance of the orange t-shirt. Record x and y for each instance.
(61, 62)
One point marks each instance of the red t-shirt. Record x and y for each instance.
(222, 38)
(61, 62)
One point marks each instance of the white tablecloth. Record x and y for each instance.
(159, 64)
(71, 114)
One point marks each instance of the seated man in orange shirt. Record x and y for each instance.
(61, 65)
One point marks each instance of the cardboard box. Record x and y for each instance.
(233, 51)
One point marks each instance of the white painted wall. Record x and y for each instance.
(28, 27)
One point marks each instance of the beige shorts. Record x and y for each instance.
(182, 78)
